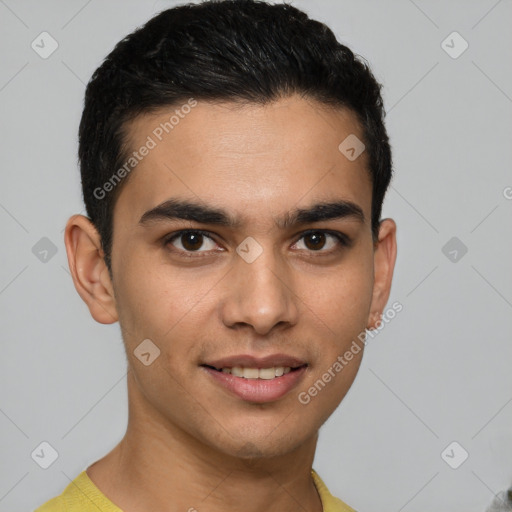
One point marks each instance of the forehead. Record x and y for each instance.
(254, 161)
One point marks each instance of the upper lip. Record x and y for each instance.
(248, 361)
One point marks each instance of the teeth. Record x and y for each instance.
(237, 371)
(250, 373)
(266, 373)
(255, 373)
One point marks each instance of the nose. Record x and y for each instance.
(260, 295)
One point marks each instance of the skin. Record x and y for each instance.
(189, 443)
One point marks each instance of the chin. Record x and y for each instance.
(264, 445)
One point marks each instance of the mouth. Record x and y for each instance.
(247, 372)
(256, 380)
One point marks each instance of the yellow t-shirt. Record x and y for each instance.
(81, 495)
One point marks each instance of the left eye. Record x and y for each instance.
(317, 240)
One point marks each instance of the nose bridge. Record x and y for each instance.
(261, 292)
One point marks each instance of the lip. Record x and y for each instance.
(257, 390)
(248, 361)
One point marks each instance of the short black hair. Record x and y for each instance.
(231, 50)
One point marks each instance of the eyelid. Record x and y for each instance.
(342, 237)
(176, 234)
(342, 242)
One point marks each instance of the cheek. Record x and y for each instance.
(340, 297)
(157, 302)
(337, 309)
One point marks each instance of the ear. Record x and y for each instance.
(88, 269)
(384, 264)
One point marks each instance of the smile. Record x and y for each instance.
(256, 373)
(258, 385)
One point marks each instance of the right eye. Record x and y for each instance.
(189, 241)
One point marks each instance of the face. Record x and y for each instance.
(224, 257)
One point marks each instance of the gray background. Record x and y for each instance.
(439, 372)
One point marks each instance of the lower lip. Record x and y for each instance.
(258, 390)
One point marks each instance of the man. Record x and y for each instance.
(234, 163)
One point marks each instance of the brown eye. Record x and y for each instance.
(191, 241)
(323, 241)
(314, 241)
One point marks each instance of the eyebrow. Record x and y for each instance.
(173, 209)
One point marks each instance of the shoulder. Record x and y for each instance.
(330, 503)
(340, 505)
(81, 495)
(54, 505)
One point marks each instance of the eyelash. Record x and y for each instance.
(344, 240)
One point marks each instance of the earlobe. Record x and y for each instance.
(373, 319)
(384, 264)
(88, 269)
